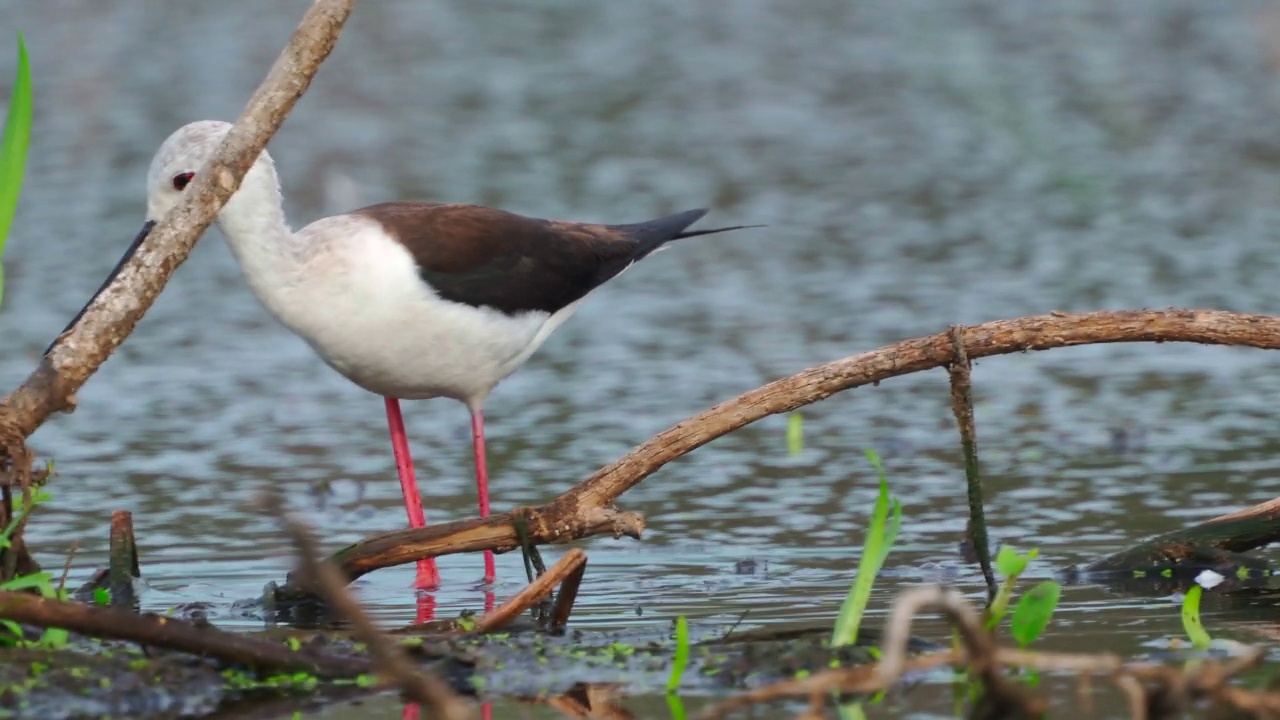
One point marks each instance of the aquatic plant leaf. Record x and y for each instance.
(1034, 610)
(1011, 563)
(1191, 618)
(13, 148)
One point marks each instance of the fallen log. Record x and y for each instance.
(1214, 544)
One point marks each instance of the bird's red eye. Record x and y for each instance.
(181, 179)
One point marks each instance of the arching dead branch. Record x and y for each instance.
(587, 510)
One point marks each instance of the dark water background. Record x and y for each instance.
(919, 163)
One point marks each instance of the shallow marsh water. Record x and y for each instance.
(918, 163)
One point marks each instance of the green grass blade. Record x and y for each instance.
(13, 148)
(886, 518)
(682, 655)
(1191, 619)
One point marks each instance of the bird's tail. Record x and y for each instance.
(653, 234)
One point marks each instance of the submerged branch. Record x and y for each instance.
(1212, 543)
(174, 634)
(549, 524)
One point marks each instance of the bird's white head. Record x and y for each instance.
(183, 153)
(254, 207)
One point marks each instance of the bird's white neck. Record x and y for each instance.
(254, 224)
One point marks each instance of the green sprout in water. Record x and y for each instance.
(13, 148)
(678, 664)
(1011, 564)
(886, 518)
(1191, 619)
(1034, 610)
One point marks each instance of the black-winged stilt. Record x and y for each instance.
(410, 300)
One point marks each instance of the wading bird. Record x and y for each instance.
(409, 300)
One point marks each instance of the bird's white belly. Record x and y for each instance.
(425, 350)
(363, 307)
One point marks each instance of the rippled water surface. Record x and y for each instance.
(918, 163)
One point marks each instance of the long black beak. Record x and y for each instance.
(133, 248)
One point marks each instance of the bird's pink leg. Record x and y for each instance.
(482, 482)
(428, 576)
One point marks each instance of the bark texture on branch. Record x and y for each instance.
(585, 510)
(110, 319)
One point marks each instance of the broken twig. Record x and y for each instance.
(565, 599)
(533, 592)
(961, 370)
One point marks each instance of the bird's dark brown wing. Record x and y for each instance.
(491, 258)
